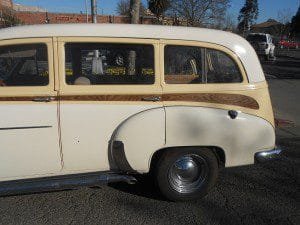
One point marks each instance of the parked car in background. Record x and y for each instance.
(82, 105)
(288, 44)
(263, 45)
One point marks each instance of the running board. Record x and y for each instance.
(62, 183)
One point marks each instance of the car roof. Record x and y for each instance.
(233, 42)
(117, 30)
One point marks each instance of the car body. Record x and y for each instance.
(82, 104)
(288, 44)
(263, 44)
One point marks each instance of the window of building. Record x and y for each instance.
(107, 63)
(24, 65)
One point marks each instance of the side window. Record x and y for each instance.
(183, 65)
(221, 68)
(108, 63)
(24, 65)
(192, 65)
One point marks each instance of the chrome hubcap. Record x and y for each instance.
(188, 173)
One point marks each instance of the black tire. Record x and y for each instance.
(207, 172)
(267, 57)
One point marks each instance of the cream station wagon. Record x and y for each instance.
(87, 104)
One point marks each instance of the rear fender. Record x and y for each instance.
(240, 138)
(136, 139)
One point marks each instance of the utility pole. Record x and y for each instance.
(94, 10)
(86, 11)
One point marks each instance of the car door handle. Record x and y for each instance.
(44, 99)
(151, 99)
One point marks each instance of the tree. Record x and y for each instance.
(8, 18)
(158, 7)
(135, 11)
(123, 8)
(200, 13)
(135, 18)
(229, 23)
(284, 16)
(295, 25)
(248, 15)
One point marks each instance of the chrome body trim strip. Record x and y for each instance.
(21, 128)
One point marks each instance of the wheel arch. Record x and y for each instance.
(219, 153)
(129, 151)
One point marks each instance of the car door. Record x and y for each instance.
(103, 83)
(28, 109)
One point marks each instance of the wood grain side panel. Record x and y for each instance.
(22, 98)
(124, 98)
(226, 99)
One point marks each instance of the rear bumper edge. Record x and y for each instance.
(268, 155)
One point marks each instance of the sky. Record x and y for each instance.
(267, 8)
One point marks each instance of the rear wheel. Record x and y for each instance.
(186, 174)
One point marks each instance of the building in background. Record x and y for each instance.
(271, 26)
(28, 15)
(25, 8)
(34, 17)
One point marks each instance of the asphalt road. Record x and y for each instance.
(257, 194)
(286, 65)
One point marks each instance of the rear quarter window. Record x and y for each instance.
(221, 68)
(191, 65)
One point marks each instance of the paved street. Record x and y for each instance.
(286, 65)
(257, 194)
(285, 96)
(260, 194)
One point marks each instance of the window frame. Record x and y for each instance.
(143, 60)
(203, 86)
(46, 90)
(66, 89)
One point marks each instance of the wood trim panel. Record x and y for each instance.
(226, 99)
(18, 98)
(103, 98)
